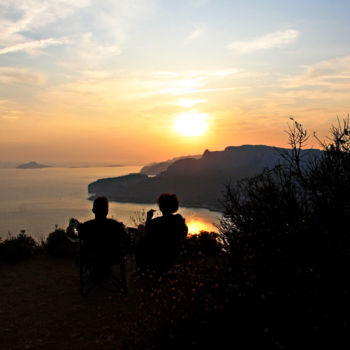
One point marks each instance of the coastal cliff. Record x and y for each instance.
(199, 182)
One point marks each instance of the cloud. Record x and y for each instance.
(20, 20)
(9, 117)
(268, 41)
(186, 102)
(334, 72)
(33, 46)
(11, 75)
(9, 110)
(22, 16)
(195, 33)
(88, 55)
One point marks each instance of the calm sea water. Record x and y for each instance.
(38, 199)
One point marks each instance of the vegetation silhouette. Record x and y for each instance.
(20, 247)
(287, 231)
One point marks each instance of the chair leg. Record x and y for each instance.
(123, 275)
(85, 286)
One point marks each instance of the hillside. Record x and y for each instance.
(198, 182)
(159, 167)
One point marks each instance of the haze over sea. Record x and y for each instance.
(36, 200)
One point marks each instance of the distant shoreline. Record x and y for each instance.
(182, 204)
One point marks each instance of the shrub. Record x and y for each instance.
(287, 230)
(195, 306)
(20, 247)
(58, 244)
(206, 243)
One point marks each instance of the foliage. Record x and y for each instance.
(193, 306)
(287, 230)
(20, 247)
(59, 244)
(204, 243)
(139, 218)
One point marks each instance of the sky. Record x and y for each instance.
(136, 81)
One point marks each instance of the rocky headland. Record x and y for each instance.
(199, 182)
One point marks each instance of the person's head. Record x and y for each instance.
(168, 203)
(100, 207)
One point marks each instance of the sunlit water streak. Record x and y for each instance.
(38, 199)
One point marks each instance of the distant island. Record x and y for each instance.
(199, 182)
(32, 165)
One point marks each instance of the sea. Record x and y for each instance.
(39, 200)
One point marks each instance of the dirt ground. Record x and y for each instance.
(41, 308)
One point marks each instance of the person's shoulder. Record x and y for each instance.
(86, 224)
(158, 219)
(86, 228)
(115, 223)
(178, 217)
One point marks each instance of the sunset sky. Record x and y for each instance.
(119, 80)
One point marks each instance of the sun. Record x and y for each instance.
(191, 123)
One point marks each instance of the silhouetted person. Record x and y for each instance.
(164, 235)
(103, 240)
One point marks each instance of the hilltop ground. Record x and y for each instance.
(41, 308)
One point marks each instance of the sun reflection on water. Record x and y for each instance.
(196, 225)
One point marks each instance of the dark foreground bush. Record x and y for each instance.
(20, 247)
(58, 244)
(206, 243)
(198, 305)
(288, 232)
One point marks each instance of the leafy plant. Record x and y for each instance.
(20, 247)
(58, 244)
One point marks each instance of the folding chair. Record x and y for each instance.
(94, 272)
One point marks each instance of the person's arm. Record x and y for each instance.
(124, 237)
(150, 215)
(149, 222)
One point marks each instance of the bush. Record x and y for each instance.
(20, 247)
(288, 231)
(58, 244)
(206, 243)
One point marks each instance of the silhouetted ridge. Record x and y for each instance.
(159, 167)
(198, 182)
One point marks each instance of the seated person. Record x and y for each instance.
(102, 240)
(163, 237)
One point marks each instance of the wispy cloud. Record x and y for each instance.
(186, 102)
(32, 14)
(33, 46)
(195, 33)
(113, 19)
(9, 110)
(326, 81)
(268, 41)
(11, 75)
(331, 72)
(88, 54)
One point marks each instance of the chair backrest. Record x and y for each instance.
(100, 246)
